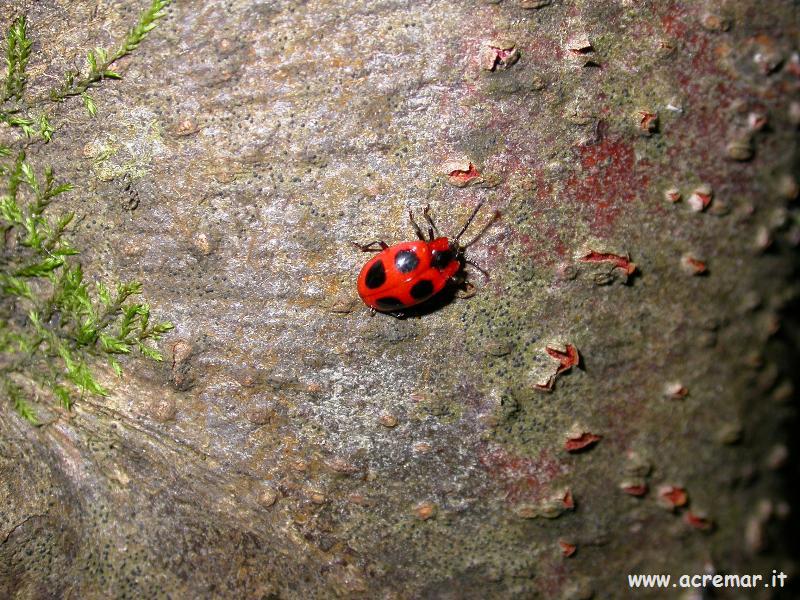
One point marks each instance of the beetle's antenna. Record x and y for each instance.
(494, 218)
(415, 225)
(433, 228)
(472, 216)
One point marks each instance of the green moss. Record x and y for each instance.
(54, 326)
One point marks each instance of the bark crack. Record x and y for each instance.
(20, 524)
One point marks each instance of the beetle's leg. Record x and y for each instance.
(469, 291)
(464, 287)
(416, 226)
(433, 228)
(369, 247)
(477, 266)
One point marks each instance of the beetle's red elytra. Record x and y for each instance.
(409, 273)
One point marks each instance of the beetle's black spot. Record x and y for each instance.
(389, 303)
(406, 261)
(422, 289)
(441, 259)
(376, 276)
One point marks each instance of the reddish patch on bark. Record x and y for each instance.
(545, 48)
(621, 262)
(464, 177)
(700, 199)
(756, 120)
(568, 501)
(581, 442)
(673, 496)
(544, 254)
(635, 490)
(567, 549)
(694, 266)
(493, 56)
(702, 59)
(501, 53)
(705, 57)
(698, 521)
(610, 177)
(568, 358)
(672, 21)
(648, 121)
(676, 390)
(522, 478)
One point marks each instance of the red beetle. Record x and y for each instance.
(409, 273)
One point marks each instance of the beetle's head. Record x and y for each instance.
(448, 252)
(444, 252)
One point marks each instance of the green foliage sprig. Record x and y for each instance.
(18, 50)
(16, 112)
(99, 60)
(54, 325)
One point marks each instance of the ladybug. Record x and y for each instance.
(409, 273)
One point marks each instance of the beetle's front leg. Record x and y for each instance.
(369, 247)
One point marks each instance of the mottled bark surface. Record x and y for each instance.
(292, 446)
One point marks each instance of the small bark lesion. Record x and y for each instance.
(14, 528)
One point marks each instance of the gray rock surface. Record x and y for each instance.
(293, 446)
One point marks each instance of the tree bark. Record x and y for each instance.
(642, 156)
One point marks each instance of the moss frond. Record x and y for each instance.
(18, 50)
(100, 60)
(54, 326)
